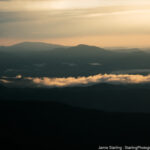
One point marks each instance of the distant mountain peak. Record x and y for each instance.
(84, 45)
(80, 45)
(34, 44)
(88, 48)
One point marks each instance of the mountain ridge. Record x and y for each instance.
(79, 60)
(30, 46)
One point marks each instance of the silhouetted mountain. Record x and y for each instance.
(130, 50)
(41, 117)
(125, 50)
(38, 59)
(31, 46)
(86, 48)
(146, 50)
(36, 45)
(106, 97)
(1, 86)
(82, 53)
(49, 125)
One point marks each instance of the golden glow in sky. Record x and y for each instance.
(71, 22)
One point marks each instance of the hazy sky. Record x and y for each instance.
(71, 22)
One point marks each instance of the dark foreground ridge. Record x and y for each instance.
(105, 97)
(75, 117)
(49, 125)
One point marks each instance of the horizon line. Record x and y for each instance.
(51, 43)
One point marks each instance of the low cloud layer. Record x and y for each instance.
(21, 81)
(100, 78)
(5, 81)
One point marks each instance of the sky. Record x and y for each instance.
(105, 23)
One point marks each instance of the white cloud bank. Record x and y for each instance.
(5, 81)
(21, 81)
(100, 78)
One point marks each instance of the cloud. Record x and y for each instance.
(5, 81)
(47, 19)
(18, 76)
(34, 5)
(80, 81)
(20, 81)
(95, 64)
